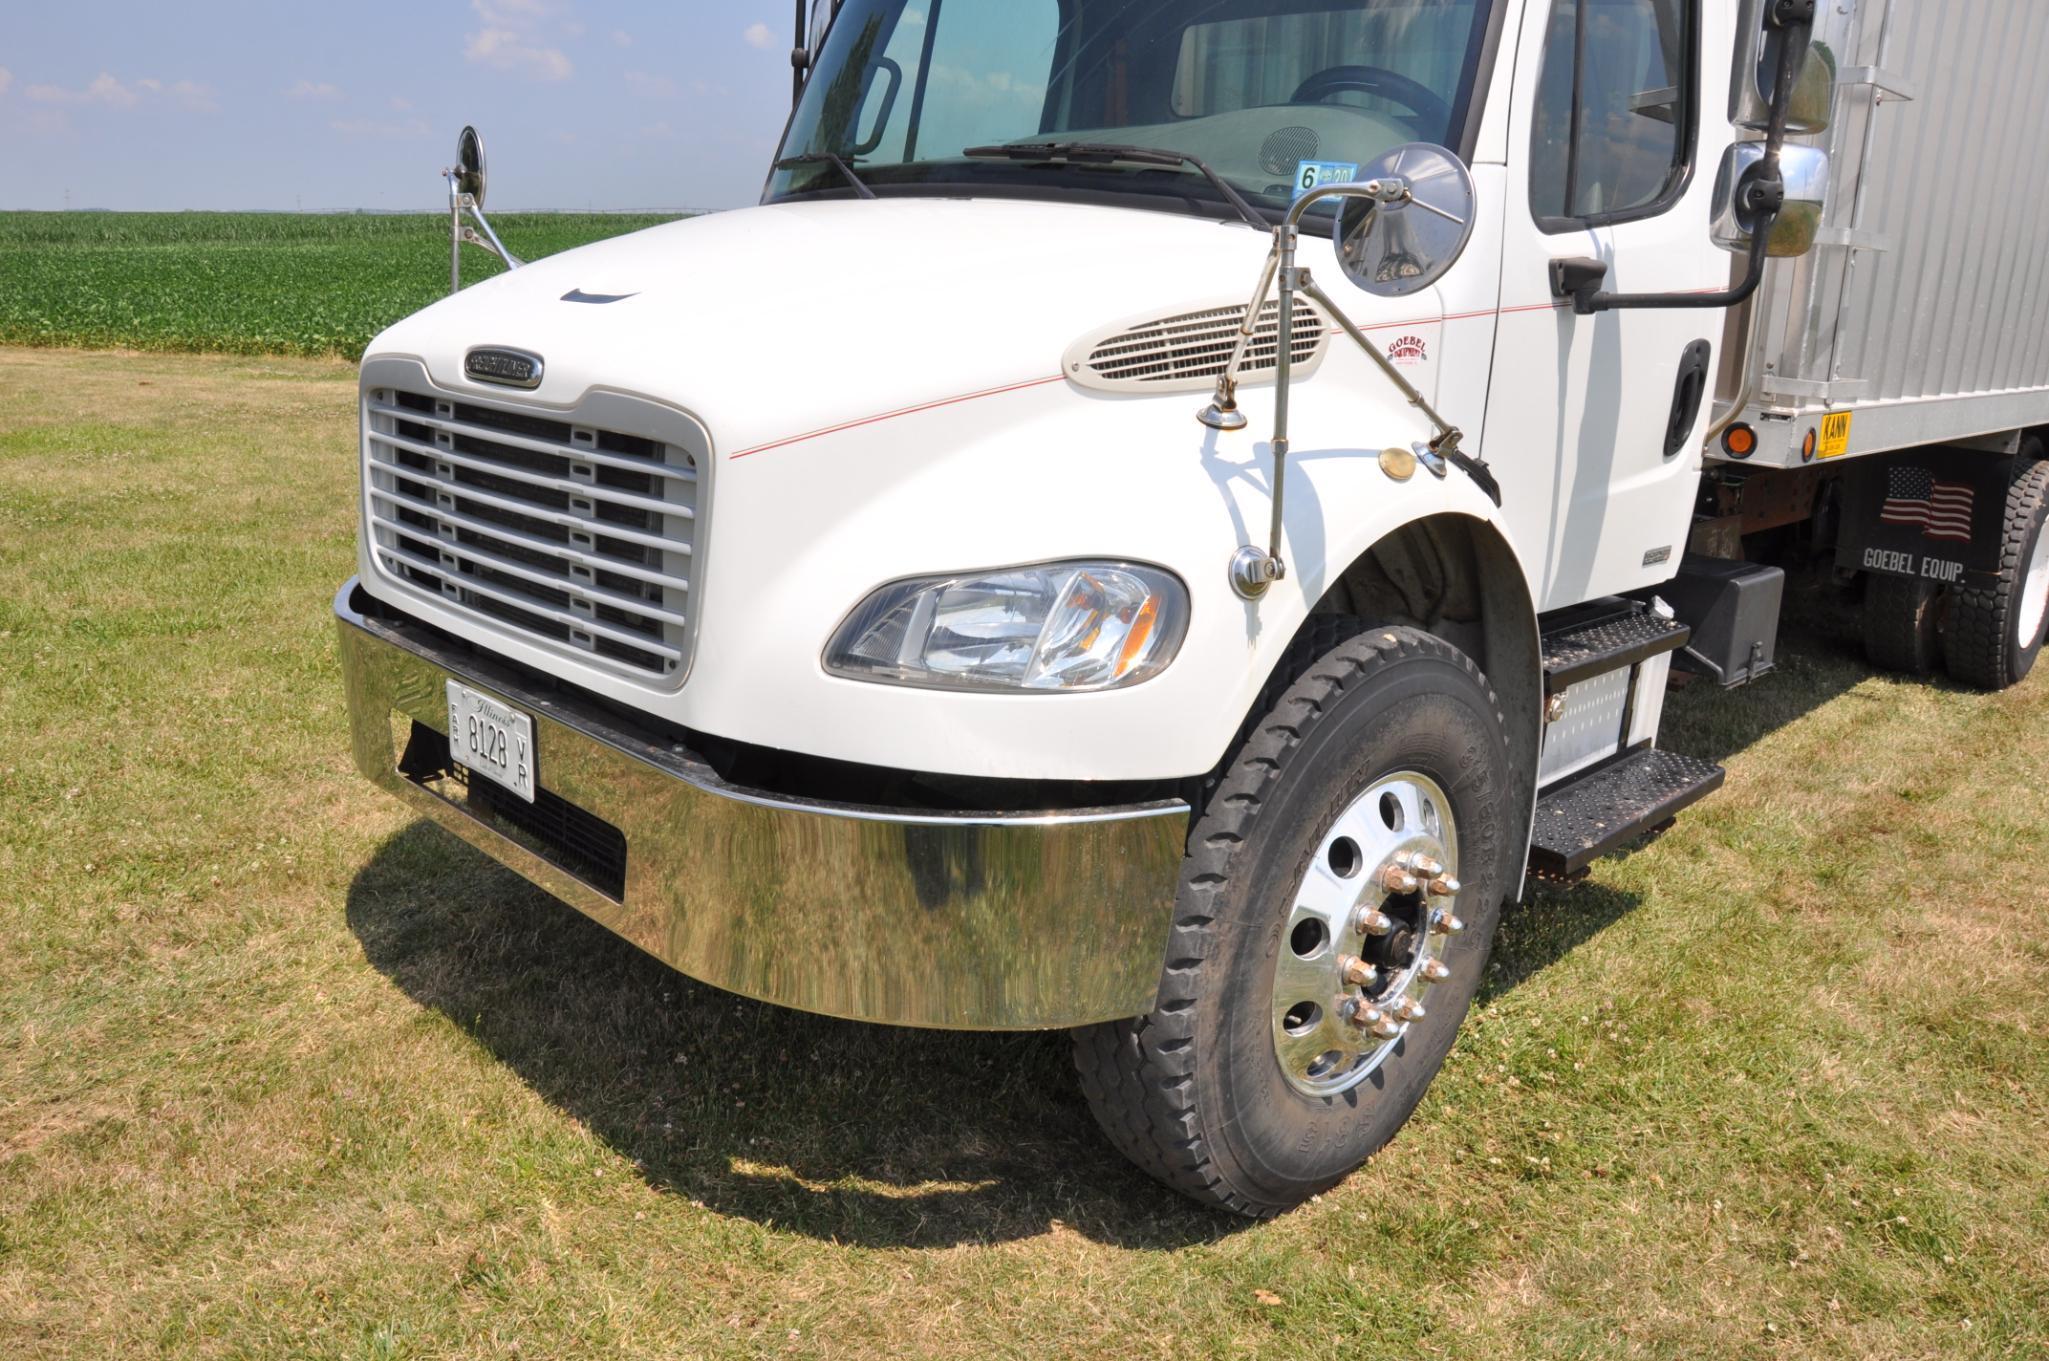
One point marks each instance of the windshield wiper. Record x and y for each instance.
(1109, 153)
(827, 158)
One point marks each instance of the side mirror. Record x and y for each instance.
(466, 185)
(1803, 169)
(1811, 106)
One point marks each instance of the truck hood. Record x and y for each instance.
(783, 319)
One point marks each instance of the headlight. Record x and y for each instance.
(1061, 626)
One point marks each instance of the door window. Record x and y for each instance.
(1613, 130)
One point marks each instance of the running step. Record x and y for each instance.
(1615, 804)
(1604, 637)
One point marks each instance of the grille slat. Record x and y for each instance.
(543, 547)
(575, 452)
(558, 485)
(1190, 350)
(535, 511)
(568, 586)
(532, 605)
(581, 538)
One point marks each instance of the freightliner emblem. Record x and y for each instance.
(506, 368)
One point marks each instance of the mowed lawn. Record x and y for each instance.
(285, 1073)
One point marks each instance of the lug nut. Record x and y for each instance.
(1409, 1009)
(1357, 971)
(1427, 868)
(1436, 970)
(1397, 880)
(1445, 886)
(1365, 1015)
(1388, 1030)
(1374, 922)
(1444, 924)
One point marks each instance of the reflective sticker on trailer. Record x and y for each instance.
(1835, 434)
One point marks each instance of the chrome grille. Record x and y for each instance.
(1190, 349)
(578, 536)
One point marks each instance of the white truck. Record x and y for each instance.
(1018, 576)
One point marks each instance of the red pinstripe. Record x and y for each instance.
(1061, 377)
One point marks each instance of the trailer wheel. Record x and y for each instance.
(1901, 617)
(1996, 634)
(1318, 970)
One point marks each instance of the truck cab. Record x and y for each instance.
(937, 596)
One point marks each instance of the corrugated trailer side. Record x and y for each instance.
(1924, 313)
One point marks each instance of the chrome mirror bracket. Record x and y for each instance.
(1253, 570)
(466, 182)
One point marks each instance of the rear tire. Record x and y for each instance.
(1995, 635)
(1901, 618)
(1198, 1092)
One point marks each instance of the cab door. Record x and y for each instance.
(1596, 421)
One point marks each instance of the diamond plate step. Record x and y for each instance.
(1606, 638)
(1615, 804)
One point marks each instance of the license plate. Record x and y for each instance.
(491, 739)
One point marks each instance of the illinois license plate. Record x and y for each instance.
(491, 739)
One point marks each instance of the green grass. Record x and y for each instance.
(285, 1073)
(245, 283)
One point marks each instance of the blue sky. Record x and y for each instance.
(139, 104)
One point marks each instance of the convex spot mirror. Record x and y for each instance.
(1805, 172)
(469, 165)
(1393, 249)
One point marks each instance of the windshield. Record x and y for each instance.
(1275, 95)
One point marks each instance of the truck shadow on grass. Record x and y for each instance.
(859, 1134)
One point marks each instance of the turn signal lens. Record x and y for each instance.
(1739, 441)
(1074, 626)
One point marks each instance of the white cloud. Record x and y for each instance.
(410, 130)
(108, 92)
(189, 94)
(759, 35)
(620, 38)
(313, 89)
(648, 86)
(400, 104)
(104, 89)
(509, 51)
(6, 79)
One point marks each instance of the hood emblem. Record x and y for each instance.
(505, 368)
(598, 299)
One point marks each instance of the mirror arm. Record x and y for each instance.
(1763, 193)
(461, 234)
(800, 58)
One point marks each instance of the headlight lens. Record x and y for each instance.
(1069, 626)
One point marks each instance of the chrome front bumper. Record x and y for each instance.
(970, 921)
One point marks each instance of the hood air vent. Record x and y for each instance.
(1186, 352)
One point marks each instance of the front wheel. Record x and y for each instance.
(1337, 905)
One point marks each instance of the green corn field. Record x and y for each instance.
(246, 283)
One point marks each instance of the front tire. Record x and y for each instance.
(1387, 758)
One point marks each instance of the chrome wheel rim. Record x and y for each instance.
(1365, 936)
(2035, 591)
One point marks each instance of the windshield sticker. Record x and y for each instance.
(1315, 174)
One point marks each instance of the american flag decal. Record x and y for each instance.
(1939, 509)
